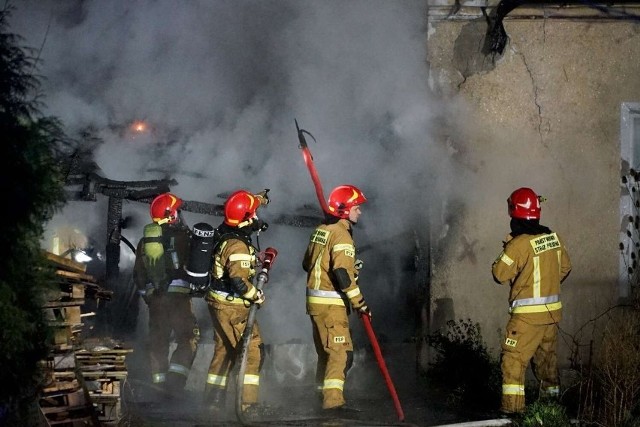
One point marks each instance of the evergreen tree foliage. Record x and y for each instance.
(32, 191)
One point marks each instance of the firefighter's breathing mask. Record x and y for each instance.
(258, 225)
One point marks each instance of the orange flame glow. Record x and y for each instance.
(139, 126)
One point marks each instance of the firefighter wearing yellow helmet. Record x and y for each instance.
(534, 262)
(229, 298)
(162, 282)
(332, 289)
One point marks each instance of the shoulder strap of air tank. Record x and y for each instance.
(221, 238)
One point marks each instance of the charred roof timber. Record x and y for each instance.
(85, 187)
(497, 37)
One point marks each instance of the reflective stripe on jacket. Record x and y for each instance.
(534, 265)
(234, 260)
(230, 298)
(177, 286)
(316, 296)
(330, 247)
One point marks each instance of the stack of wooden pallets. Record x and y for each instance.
(104, 371)
(83, 376)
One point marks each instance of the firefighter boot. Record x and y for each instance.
(215, 400)
(175, 385)
(512, 404)
(333, 398)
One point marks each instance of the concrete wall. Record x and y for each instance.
(546, 114)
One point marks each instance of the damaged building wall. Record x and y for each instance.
(545, 114)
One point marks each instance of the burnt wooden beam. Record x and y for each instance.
(114, 221)
(496, 38)
(144, 192)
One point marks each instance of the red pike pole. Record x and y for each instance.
(308, 160)
(383, 366)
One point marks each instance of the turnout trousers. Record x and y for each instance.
(332, 340)
(172, 313)
(229, 320)
(526, 343)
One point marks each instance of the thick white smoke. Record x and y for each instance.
(220, 84)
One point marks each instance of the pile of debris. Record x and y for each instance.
(83, 376)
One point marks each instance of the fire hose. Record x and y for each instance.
(366, 320)
(263, 277)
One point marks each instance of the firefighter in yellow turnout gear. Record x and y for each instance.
(230, 296)
(534, 262)
(332, 288)
(164, 285)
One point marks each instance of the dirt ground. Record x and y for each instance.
(288, 397)
(298, 405)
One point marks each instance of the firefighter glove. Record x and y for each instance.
(362, 308)
(364, 311)
(259, 299)
(263, 197)
(357, 265)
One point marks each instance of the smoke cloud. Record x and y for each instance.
(219, 84)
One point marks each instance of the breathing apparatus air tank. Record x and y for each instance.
(200, 252)
(154, 255)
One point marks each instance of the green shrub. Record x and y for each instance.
(607, 389)
(463, 366)
(543, 413)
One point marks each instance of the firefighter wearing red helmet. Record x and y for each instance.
(164, 208)
(230, 296)
(163, 284)
(534, 261)
(332, 289)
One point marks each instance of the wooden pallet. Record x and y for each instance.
(82, 386)
(107, 371)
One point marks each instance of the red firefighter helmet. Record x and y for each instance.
(343, 198)
(164, 208)
(524, 203)
(240, 208)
